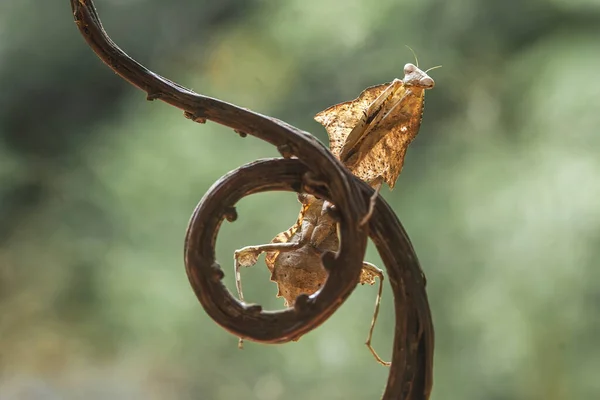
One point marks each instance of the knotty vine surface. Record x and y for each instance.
(306, 166)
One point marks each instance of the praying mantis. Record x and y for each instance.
(370, 136)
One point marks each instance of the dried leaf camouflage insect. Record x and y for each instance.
(370, 135)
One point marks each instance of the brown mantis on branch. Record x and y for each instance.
(370, 135)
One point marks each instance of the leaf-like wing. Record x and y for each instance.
(340, 119)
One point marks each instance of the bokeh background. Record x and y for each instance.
(500, 195)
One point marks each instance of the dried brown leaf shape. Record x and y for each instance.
(371, 133)
(301, 271)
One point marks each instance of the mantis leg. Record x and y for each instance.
(377, 185)
(372, 271)
(247, 257)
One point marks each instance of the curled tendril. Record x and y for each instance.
(205, 274)
(412, 359)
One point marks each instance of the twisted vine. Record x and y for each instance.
(306, 166)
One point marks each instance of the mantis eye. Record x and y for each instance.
(426, 82)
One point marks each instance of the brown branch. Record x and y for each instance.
(412, 361)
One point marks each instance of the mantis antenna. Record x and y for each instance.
(414, 54)
(436, 67)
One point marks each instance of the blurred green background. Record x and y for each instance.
(500, 195)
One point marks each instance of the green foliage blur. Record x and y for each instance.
(500, 196)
